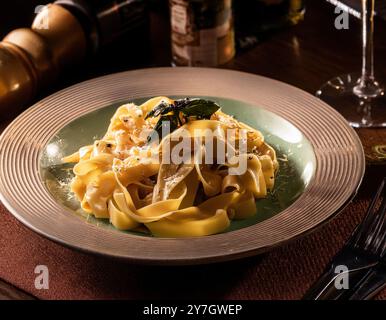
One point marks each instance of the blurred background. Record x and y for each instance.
(131, 34)
(127, 34)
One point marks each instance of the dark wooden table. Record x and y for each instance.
(305, 56)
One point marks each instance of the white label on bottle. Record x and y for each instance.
(179, 19)
(181, 51)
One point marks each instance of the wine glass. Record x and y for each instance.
(359, 98)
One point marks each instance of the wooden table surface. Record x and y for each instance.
(305, 56)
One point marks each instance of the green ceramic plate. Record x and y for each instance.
(320, 156)
(295, 154)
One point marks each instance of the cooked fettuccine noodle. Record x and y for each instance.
(117, 178)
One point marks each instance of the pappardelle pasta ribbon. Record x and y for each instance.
(126, 179)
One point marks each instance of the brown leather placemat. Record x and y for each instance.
(284, 273)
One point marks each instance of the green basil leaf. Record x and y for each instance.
(161, 123)
(158, 109)
(200, 108)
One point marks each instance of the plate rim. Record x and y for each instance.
(202, 258)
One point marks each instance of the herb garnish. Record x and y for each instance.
(171, 112)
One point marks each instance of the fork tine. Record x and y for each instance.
(354, 254)
(383, 248)
(359, 237)
(377, 237)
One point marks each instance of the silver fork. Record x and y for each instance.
(375, 279)
(362, 252)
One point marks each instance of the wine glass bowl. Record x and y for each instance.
(360, 98)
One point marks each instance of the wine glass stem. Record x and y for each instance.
(367, 39)
(367, 86)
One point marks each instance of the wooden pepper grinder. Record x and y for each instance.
(62, 34)
(31, 59)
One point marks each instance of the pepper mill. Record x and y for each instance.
(62, 35)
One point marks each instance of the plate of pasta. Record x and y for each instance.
(178, 165)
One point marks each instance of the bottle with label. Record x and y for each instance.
(201, 32)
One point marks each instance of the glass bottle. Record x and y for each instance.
(201, 32)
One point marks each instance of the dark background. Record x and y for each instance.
(17, 13)
(133, 51)
(313, 50)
